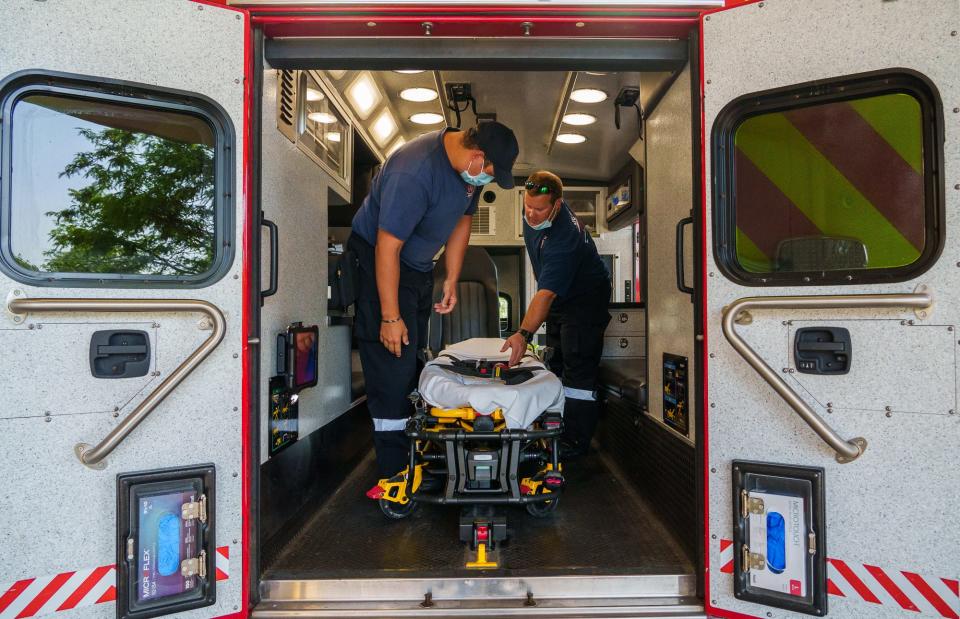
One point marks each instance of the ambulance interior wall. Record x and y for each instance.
(661, 461)
(294, 196)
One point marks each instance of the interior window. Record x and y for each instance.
(109, 187)
(324, 130)
(831, 187)
(506, 311)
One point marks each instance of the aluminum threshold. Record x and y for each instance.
(554, 596)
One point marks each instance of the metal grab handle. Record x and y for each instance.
(274, 258)
(847, 451)
(93, 456)
(681, 278)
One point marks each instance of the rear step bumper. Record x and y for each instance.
(668, 596)
(661, 609)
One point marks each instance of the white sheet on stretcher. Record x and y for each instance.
(521, 403)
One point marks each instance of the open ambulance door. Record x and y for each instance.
(832, 306)
(122, 334)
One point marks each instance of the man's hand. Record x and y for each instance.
(517, 345)
(449, 300)
(393, 335)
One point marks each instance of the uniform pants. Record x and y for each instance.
(575, 333)
(390, 379)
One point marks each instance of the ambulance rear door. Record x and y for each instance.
(121, 342)
(831, 303)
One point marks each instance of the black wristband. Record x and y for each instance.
(526, 335)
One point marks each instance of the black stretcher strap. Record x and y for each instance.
(487, 369)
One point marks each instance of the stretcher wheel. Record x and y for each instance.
(543, 508)
(395, 510)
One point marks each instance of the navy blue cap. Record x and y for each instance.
(499, 146)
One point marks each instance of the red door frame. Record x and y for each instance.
(480, 20)
(704, 213)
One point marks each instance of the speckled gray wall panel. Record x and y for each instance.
(895, 507)
(70, 508)
(295, 198)
(669, 199)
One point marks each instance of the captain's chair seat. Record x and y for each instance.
(477, 313)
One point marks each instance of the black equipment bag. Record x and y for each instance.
(344, 281)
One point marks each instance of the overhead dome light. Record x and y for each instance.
(314, 95)
(418, 95)
(588, 95)
(408, 71)
(333, 136)
(384, 127)
(595, 72)
(579, 119)
(364, 94)
(427, 118)
(324, 118)
(571, 138)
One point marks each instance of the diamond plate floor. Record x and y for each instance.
(600, 527)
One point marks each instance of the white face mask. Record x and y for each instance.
(477, 180)
(543, 225)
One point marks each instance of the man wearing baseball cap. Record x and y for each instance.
(423, 198)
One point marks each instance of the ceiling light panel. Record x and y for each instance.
(579, 119)
(409, 71)
(364, 95)
(427, 118)
(571, 138)
(384, 127)
(418, 95)
(588, 95)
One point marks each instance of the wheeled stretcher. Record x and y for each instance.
(483, 435)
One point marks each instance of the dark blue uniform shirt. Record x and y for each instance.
(417, 197)
(565, 259)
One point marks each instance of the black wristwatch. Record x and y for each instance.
(526, 335)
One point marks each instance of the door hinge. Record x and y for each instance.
(196, 510)
(195, 567)
(812, 543)
(751, 560)
(750, 505)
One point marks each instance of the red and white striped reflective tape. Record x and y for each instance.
(33, 597)
(926, 595)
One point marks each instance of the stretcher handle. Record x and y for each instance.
(846, 451)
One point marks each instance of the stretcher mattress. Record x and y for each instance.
(521, 404)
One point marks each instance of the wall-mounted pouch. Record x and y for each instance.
(779, 541)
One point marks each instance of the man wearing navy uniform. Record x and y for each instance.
(422, 199)
(573, 293)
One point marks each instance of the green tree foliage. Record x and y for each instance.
(147, 208)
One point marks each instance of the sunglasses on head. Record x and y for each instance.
(539, 188)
